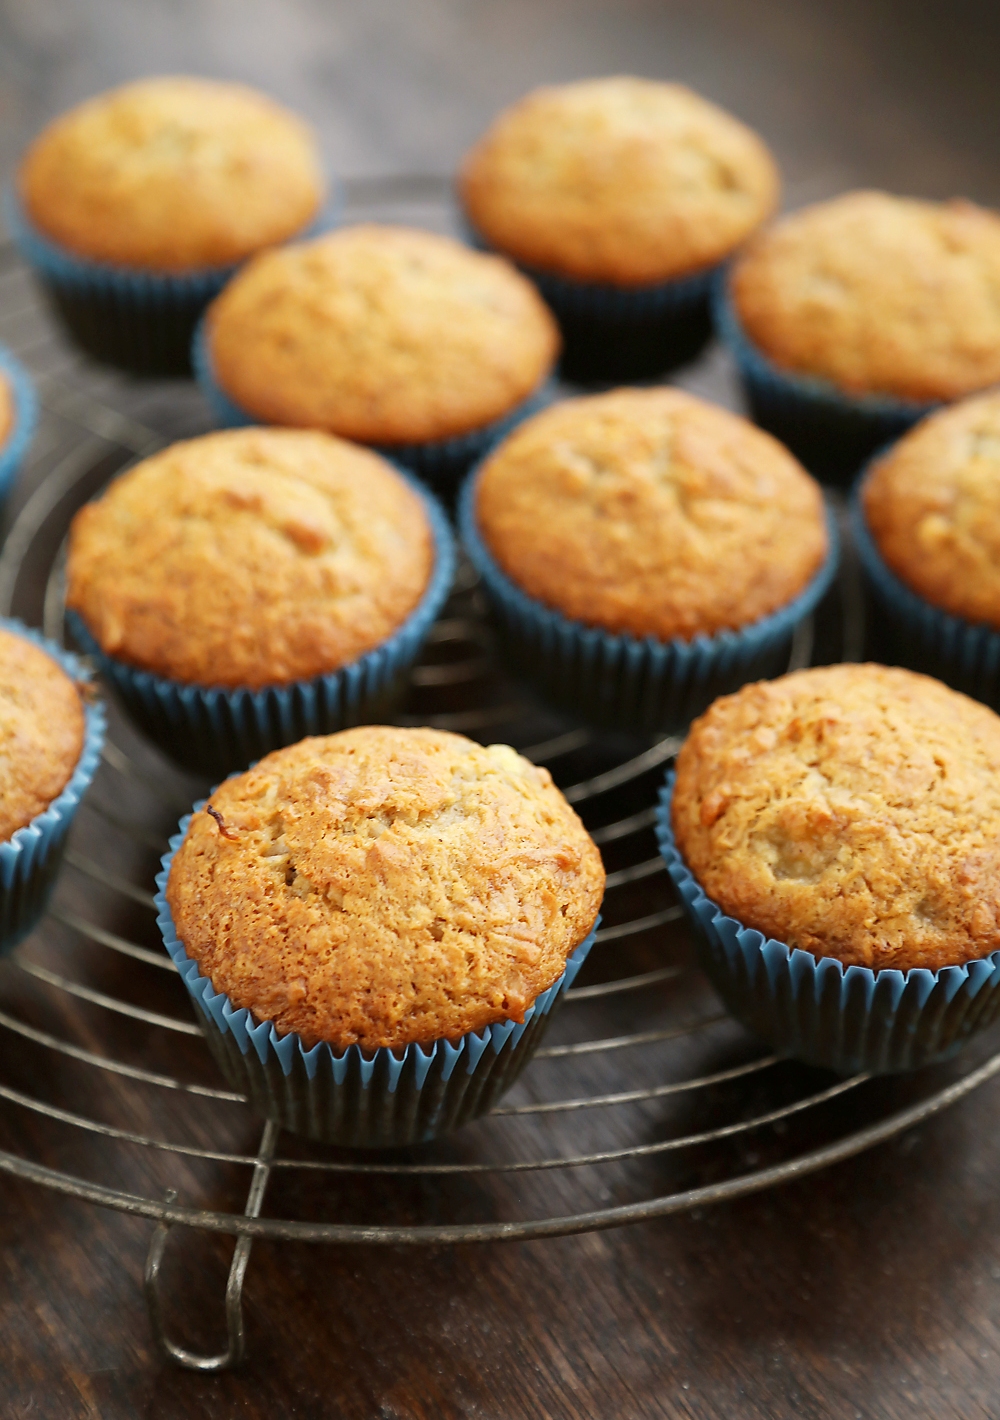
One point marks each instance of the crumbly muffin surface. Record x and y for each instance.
(383, 886)
(651, 512)
(387, 335)
(8, 411)
(622, 180)
(173, 174)
(852, 811)
(250, 557)
(932, 505)
(879, 295)
(41, 731)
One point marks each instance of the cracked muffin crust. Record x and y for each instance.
(173, 174)
(651, 512)
(383, 886)
(250, 557)
(932, 506)
(878, 294)
(41, 731)
(621, 180)
(387, 335)
(852, 811)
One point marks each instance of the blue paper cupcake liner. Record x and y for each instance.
(367, 1099)
(18, 441)
(845, 1018)
(215, 729)
(621, 681)
(832, 433)
(911, 632)
(439, 462)
(612, 334)
(140, 321)
(30, 859)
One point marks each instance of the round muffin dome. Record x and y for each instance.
(385, 886)
(387, 335)
(618, 180)
(651, 512)
(173, 174)
(932, 506)
(852, 811)
(250, 557)
(879, 295)
(41, 731)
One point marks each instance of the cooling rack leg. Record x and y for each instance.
(233, 1354)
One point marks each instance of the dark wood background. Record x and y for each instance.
(872, 1290)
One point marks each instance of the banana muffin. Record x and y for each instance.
(172, 174)
(932, 509)
(651, 512)
(250, 558)
(384, 886)
(388, 335)
(619, 180)
(41, 731)
(8, 411)
(877, 295)
(852, 811)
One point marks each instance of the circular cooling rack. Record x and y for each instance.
(644, 1100)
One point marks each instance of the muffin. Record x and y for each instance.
(619, 195)
(368, 907)
(927, 525)
(18, 418)
(50, 745)
(835, 835)
(247, 587)
(397, 338)
(135, 207)
(851, 318)
(643, 550)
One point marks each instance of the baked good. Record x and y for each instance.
(172, 174)
(877, 295)
(932, 508)
(41, 731)
(250, 558)
(620, 180)
(385, 886)
(8, 410)
(652, 513)
(852, 811)
(387, 335)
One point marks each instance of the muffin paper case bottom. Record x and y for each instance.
(18, 441)
(613, 333)
(621, 681)
(849, 1019)
(140, 321)
(442, 463)
(30, 859)
(832, 433)
(213, 729)
(376, 1099)
(910, 631)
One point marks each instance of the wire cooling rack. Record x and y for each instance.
(645, 1099)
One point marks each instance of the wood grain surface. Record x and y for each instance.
(870, 1290)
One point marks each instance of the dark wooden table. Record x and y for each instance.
(871, 1290)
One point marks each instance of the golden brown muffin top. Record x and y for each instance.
(173, 174)
(651, 512)
(387, 335)
(932, 505)
(852, 811)
(250, 557)
(41, 731)
(621, 180)
(8, 410)
(878, 294)
(383, 886)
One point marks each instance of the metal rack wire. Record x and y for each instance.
(647, 1100)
